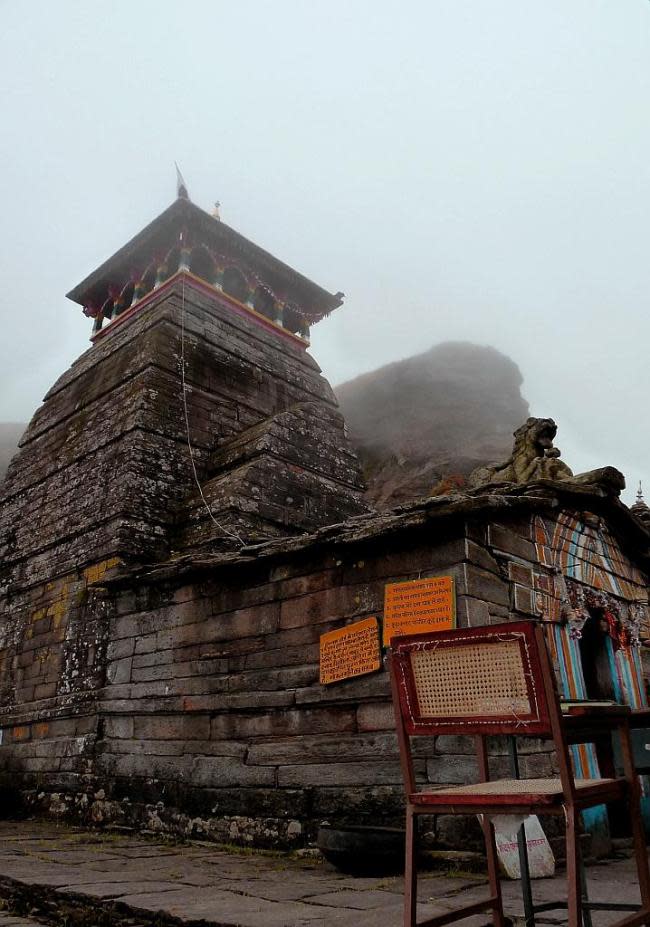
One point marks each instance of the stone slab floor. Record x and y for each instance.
(60, 875)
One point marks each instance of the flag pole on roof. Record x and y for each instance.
(181, 186)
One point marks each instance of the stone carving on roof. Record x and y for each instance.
(534, 457)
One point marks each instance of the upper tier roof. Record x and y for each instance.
(132, 260)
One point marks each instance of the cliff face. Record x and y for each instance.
(434, 416)
(10, 433)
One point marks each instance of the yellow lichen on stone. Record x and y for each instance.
(58, 609)
(97, 571)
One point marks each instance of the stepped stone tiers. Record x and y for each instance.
(103, 479)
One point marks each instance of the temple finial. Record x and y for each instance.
(181, 186)
(639, 508)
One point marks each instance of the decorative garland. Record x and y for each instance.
(160, 265)
(622, 623)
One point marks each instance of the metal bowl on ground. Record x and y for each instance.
(363, 850)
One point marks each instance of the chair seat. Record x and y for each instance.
(518, 792)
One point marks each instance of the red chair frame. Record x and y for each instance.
(527, 706)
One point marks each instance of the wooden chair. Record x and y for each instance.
(499, 680)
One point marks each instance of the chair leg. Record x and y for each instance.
(493, 871)
(410, 869)
(574, 888)
(640, 851)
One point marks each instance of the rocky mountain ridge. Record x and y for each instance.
(427, 421)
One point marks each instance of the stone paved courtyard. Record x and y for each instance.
(68, 876)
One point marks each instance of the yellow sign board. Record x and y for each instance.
(350, 651)
(419, 605)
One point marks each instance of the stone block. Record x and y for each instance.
(160, 641)
(450, 769)
(408, 563)
(291, 677)
(519, 573)
(71, 727)
(303, 585)
(200, 668)
(285, 656)
(476, 530)
(332, 604)
(117, 650)
(486, 586)
(119, 672)
(462, 769)
(45, 690)
(341, 774)
(149, 767)
(182, 727)
(498, 613)
(479, 556)
(225, 772)
(234, 598)
(119, 727)
(384, 803)
(372, 686)
(537, 765)
(285, 723)
(378, 716)
(150, 673)
(323, 748)
(506, 540)
(257, 700)
(470, 612)
(524, 600)
(454, 744)
(196, 685)
(154, 658)
(249, 622)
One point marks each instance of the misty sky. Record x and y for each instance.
(475, 170)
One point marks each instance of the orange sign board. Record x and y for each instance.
(350, 651)
(419, 605)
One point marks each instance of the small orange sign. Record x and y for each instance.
(350, 651)
(419, 605)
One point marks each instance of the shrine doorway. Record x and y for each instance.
(596, 659)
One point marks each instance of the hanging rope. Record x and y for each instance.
(224, 530)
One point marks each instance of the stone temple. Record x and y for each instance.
(184, 520)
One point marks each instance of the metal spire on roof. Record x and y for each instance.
(181, 186)
(639, 507)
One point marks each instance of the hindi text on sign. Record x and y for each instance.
(350, 651)
(419, 605)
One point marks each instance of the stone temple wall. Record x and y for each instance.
(103, 479)
(209, 718)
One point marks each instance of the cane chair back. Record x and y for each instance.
(472, 681)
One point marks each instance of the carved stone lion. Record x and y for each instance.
(535, 458)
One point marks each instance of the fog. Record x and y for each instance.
(461, 170)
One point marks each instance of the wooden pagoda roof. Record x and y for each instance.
(202, 229)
